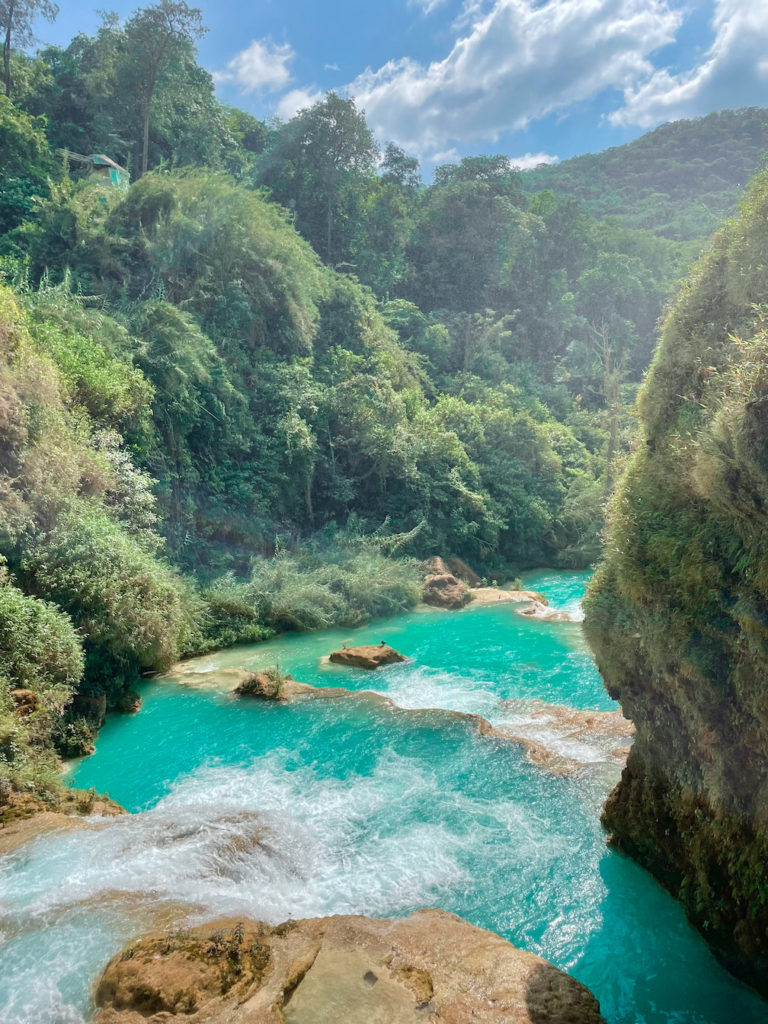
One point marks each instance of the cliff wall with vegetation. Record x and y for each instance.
(678, 611)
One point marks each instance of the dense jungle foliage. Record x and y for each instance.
(249, 391)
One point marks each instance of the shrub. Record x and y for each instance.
(127, 602)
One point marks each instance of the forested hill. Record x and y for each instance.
(679, 181)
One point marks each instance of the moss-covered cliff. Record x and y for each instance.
(678, 611)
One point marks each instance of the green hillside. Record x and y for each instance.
(679, 181)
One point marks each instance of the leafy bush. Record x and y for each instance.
(315, 588)
(127, 603)
(39, 648)
(39, 651)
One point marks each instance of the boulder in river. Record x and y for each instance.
(445, 591)
(537, 610)
(367, 656)
(431, 966)
(267, 685)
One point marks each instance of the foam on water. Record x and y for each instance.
(330, 807)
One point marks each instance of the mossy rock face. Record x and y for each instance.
(677, 614)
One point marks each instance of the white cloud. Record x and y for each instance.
(445, 156)
(733, 73)
(427, 6)
(296, 100)
(263, 65)
(331, 67)
(521, 163)
(518, 60)
(525, 163)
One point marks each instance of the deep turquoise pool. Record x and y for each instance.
(345, 806)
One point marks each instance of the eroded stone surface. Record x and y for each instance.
(431, 967)
(563, 739)
(536, 610)
(24, 817)
(495, 595)
(445, 591)
(368, 656)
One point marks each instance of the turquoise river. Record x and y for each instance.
(351, 806)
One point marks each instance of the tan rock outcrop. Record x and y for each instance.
(445, 591)
(194, 674)
(537, 610)
(464, 572)
(495, 595)
(563, 739)
(430, 967)
(24, 817)
(368, 656)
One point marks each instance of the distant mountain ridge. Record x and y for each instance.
(678, 181)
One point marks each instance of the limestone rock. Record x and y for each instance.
(24, 817)
(264, 685)
(129, 703)
(429, 967)
(495, 595)
(677, 614)
(368, 656)
(445, 591)
(197, 676)
(537, 610)
(464, 572)
(562, 739)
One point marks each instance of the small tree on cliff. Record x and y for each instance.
(16, 18)
(156, 37)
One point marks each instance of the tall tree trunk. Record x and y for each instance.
(7, 49)
(612, 391)
(145, 141)
(329, 231)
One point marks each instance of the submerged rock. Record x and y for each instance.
(445, 591)
(193, 674)
(368, 656)
(495, 595)
(563, 739)
(536, 610)
(560, 739)
(429, 967)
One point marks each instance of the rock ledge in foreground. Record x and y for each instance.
(429, 967)
(368, 656)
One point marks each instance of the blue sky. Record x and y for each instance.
(534, 79)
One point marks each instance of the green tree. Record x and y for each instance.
(16, 20)
(320, 166)
(155, 38)
(25, 164)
